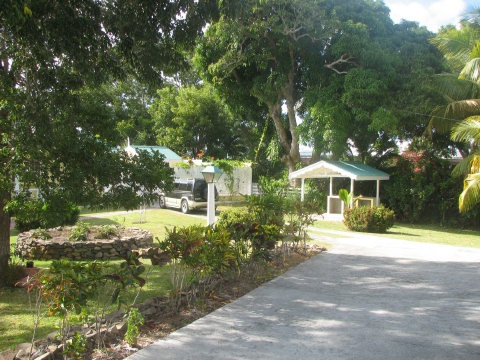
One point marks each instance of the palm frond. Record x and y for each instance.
(454, 88)
(471, 71)
(467, 130)
(471, 164)
(475, 53)
(443, 118)
(470, 195)
(454, 44)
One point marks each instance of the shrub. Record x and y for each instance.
(199, 256)
(421, 188)
(253, 237)
(79, 232)
(376, 219)
(33, 213)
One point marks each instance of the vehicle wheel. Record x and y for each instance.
(161, 202)
(184, 207)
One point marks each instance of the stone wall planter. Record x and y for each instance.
(58, 246)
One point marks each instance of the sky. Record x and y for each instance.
(430, 13)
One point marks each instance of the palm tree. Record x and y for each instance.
(461, 88)
(461, 114)
(469, 131)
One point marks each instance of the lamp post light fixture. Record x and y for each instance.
(211, 174)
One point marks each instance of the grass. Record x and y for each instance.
(421, 233)
(16, 320)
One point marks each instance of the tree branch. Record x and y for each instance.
(344, 59)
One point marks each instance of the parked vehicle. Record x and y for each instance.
(187, 194)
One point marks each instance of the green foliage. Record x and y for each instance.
(76, 347)
(79, 232)
(421, 189)
(316, 195)
(15, 270)
(57, 134)
(135, 319)
(377, 219)
(41, 234)
(67, 285)
(108, 231)
(203, 250)
(346, 197)
(125, 277)
(32, 213)
(200, 254)
(66, 288)
(299, 215)
(193, 120)
(370, 104)
(244, 55)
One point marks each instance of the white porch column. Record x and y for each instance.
(331, 186)
(351, 191)
(302, 196)
(377, 199)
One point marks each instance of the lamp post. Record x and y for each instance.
(211, 174)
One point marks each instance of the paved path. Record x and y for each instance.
(367, 298)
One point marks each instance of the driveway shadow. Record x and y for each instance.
(340, 306)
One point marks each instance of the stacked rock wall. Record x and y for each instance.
(60, 247)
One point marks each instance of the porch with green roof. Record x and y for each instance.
(341, 169)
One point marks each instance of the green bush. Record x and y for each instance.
(33, 213)
(376, 219)
(254, 236)
(203, 250)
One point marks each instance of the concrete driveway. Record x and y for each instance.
(367, 298)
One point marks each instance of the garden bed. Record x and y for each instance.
(94, 243)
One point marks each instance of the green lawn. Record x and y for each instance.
(421, 233)
(16, 320)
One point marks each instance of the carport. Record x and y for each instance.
(342, 169)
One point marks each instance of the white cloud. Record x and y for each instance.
(430, 13)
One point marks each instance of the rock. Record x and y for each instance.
(7, 355)
(53, 336)
(149, 312)
(114, 316)
(119, 328)
(45, 356)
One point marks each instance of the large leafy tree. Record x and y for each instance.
(193, 120)
(130, 102)
(374, 97)
(261, 51)
(53, 132)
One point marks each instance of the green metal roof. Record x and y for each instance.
(328, 169)
(169, 154)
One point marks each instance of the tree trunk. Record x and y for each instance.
(4, 237)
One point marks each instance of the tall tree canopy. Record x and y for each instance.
(344, 67)
(54, 132)
(374, 97)
(193, 120)
(263, 50)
